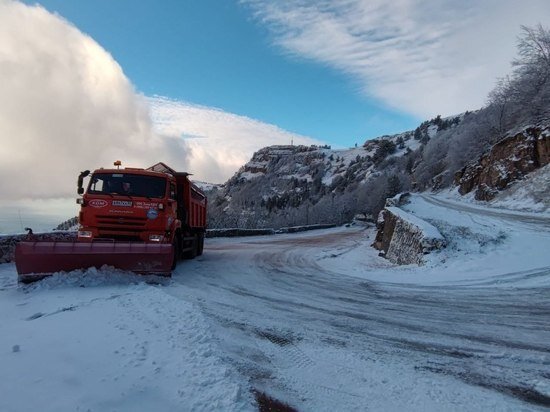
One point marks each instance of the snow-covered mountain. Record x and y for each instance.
(300, 185)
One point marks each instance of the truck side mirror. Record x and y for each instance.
(81, 177)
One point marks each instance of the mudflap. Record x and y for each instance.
(36, 259)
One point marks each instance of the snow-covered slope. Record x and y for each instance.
(207, 187)
(300, 185)
(294, 185)
(532, 193)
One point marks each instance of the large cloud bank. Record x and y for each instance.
(65, 106)
(218, 142)
(424, 57)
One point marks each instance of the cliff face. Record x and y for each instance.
(302, 185)
(508, 160)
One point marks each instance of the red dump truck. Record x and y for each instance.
(141, 220)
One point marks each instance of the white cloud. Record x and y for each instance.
(218, 142)
(65, 106)
(424, 57)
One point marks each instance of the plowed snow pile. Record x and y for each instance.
(106, 341)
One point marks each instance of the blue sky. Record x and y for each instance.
(215, 53)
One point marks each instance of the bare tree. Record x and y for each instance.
(523, 96)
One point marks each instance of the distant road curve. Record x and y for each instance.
(514, 216)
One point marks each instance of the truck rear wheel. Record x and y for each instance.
(200, 244)
(192, 251)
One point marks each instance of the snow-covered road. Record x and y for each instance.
(323, 340)
(316, 320)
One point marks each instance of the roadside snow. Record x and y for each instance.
(484, 245)
(105, 341)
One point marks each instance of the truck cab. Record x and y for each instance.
(129, 204)
(153, 205)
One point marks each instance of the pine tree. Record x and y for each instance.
(394, 186)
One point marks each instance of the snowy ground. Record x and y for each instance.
(315, 319)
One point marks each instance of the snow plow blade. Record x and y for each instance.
(36, 260)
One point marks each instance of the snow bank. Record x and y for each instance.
(427, 230)
(106, 340)
(483, 243)
(485, 247)
(532, 193)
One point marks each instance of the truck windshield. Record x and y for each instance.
(127, 184)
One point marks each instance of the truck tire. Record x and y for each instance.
(200, 244)
(192, 253)
(177, 251)
(195, 247)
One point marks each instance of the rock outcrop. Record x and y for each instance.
(266, 159)
(508, 160)
(404, 238)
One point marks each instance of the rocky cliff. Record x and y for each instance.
(300, 185)
(508, 160)
(303, 185)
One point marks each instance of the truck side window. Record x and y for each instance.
(172, 191)
(97, 185)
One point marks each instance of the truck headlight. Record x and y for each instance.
(156, 238)
(84, 233)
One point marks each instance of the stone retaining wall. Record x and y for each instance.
(259, 232)
(404, 238)
(8, 242)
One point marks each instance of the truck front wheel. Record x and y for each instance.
(176, 245)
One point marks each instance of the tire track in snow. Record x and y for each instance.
(277, 287)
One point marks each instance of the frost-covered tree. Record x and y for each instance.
(524, 96)
(385, 148)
